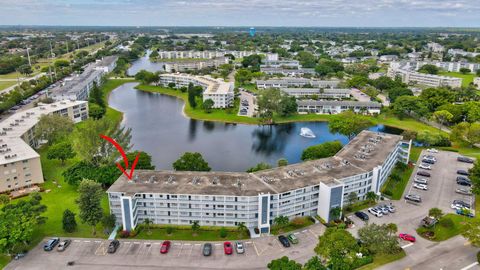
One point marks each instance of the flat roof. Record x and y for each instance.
(213, 86)
(351, 160)
(338, 103)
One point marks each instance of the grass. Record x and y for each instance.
(107, 88)
(443, 233)
(306, 221)
(379, 260)
(396, 188)
(186, 233)
(467, 78)
(6, 84)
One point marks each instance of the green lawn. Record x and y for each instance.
(6, 84)
(186, 233)
(107, 88)
(467, 78)
(443, 233)
(380, 260)
(396, 188)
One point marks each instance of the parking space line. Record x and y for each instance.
(86, 241)
(296, 233)
(156, 243)
(249, 242)
(407, 245)
(256, 250)
(218, 244)
(314, 234)
(76, 241)
(97, 241)
(198, 244)
(181, 249)
(469, 266)
(176, 244)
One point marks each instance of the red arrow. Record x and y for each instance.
(125, 159)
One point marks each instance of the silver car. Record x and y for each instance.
(239, 247)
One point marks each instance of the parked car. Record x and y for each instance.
(422, 181)
(383, 209)
(292, 238)
(463, 212)
(227, 248)
(284, 241)
(431, 157)
(432, 150)
(240, 248)
(391, 208)
(465, 159)
(462, 178)
(165, 247)
(463, 191)
(375, 212)
(207, 249)
(425, 167)
(361, 215)
(463, 182)
(63, 245)
(113, 246)
(463, 172)
(407, 237)
(413, 198)
(50, 244)
(420, 186)
(429, 161)
(423, 173)
(18, 256)
(459, 204)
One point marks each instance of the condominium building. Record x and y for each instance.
(449, 66)
(295, 82)
(435, 47)
(410, 76)
(337, 106)
(330, 93)
(228, 198)
(461, 52)
(291, 64)
(183, 66)
(19, 163)
(287, 71)
(219, 91)
(211, 54)
(78, 87)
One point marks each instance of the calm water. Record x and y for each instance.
(160, 129)
(144, 63)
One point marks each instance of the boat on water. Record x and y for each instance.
(307, 133)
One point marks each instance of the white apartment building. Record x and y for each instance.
(291, 64)
(227, 198)
(388, 58)
(287, 71)
(450, 66)
(337, 106)
(329, 93)
(435, 47)
(219, 91)
(295, 82)
(410, 76)
(461, 52)
(211, 54)
(183, 66)
(19, 163)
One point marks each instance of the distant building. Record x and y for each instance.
(435, 47)
(211, 54)
(408, 75)
(19, 163)
(183, 66)
(388, 58)
(295, 82)
(335, 107)
(287, 71)
(460, 52)
(219, 91)
(329, 93)
(450, 66)
(252, 31)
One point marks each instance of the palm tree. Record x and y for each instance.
(392, 228)
(435, 213)
(147, 222)
(241, 227)
(281, 221)
(336, 212)
(371, 196)
(195, 226)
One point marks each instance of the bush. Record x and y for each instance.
(358, 262)
(169, 230)
(446, 223)
(478, 256)
(298, 222)
(342, 226)
(223, 232)
(323, 150)
(124, 234)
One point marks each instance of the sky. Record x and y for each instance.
(328, 13)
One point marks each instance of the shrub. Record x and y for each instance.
(134, 233)
(478, 256)
(169, 230)
(447, 223)
(358, 262)
(342, 226)
(298, 222)
(124, 234)
(223, 232)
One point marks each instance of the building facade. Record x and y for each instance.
(408, 75)
(337, 106)
(184, 66)
(226, 199)
(296, 82)
(219, 91)
(19, 163)
(211, 54)
(328, 93)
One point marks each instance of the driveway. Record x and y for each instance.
(252, 103)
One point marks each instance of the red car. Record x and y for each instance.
(407, 237)
(165, 247)
(227, 247)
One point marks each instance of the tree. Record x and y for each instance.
(429, 69)
(192, 96)
(96, 96)
(253, 62)
(284, 264)
(436, 97)
(144, 160)
(191, 161)
(282, 162)
(471, 231)
(69, 222)
(327, 66)
(478, 72)
(409, 106)
(225, 69)
(95, 111)
(335, 212)
(25, 69)
(103, 174)
(287, 105)
(314, 264)
(241, 227)
(436, 213)
(392, 228)
(475, 177)
(109, 221)
(147, 222)
(466, 132)
(4, 199)
(61, 63)
(379, 239)
(349, 124)
(336, 242)
(352, 198)
(53, 128)
(465, 70)
(259, 167)
(243, 76)
(306, 59)
(371, 196)
(89, 203)
(268, 102)
(357, 81)
(208, 105)
(18, 222)
(442, 117)
(146, 77)
(396, 92)
(323, 150)
(195, 226)
(281, 221)
(61, 151)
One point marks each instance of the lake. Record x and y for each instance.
(160, 129)
(145, 63)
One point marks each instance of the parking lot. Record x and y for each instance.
(248, 104)
(145, 254)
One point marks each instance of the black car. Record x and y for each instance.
(113, 246)
(207, 249)
(50, 244)
(284, 241)
(465, 159)
(462, 178)
(361, 215)
(464, 182)
(429, 161)
(463, 172)
(423, 173)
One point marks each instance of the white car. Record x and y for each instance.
(457, 206)
(420, 186)
(425, 166)
(420, 181)
(432, 150)
(375, 212)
